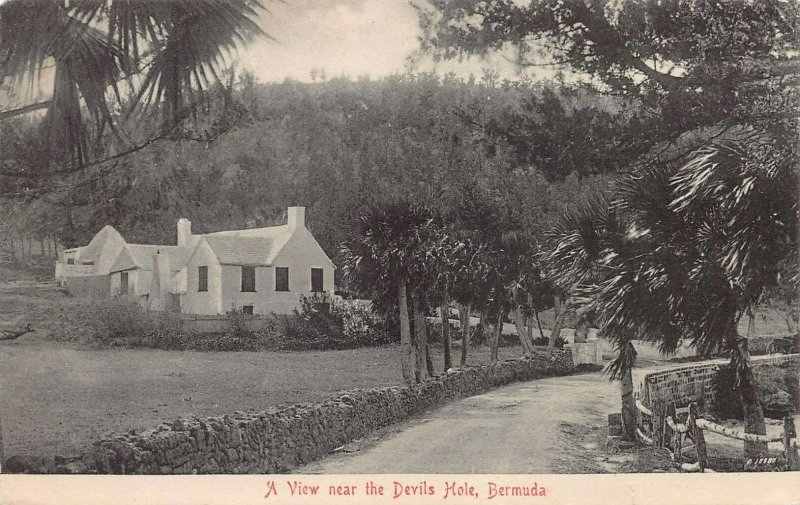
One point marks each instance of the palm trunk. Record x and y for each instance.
(464, 315)
(789, 317)
(406, 353)
(557, 323)
(428, 357)
(1, 444)
(539, 324)
(495, 339)
(485, 331)
(448, 359)
(421, 340)
(628, 405)
(522, 331)
(748, 395)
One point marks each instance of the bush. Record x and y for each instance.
(560, 341)
(726, 403)
(115, 322)
(322, 323)
(778, 386)
(319, 324)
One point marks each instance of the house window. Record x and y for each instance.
(123, 283)
(247, 310)
(70, 261)
(316, 280)
(248, 279)
(281, 278)
(202, 278)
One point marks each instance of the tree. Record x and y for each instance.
(165, 54)
(691, 62)
(380, 257)
(702, 239)
(456, 258)
(579, 242)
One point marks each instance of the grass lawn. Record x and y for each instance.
(56, 398)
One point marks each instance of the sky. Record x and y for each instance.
(350, 37)
(342, 37)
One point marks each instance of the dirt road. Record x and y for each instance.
(514, 429)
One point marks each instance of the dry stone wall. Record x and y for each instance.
(280, 439)
(691, 383)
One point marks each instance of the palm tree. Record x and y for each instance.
(741, 193)
(381, 258)
(699, 240)
(160, 53)
(456, 259)
(581, 241)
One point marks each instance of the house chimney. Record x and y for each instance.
(184, 232)
(297, 217)
(159, 282)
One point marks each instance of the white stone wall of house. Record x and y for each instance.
(203, 302)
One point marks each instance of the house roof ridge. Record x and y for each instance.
(248, 231)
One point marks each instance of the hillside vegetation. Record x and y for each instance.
(332, 147)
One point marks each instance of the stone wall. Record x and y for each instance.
(691, 383)
(591, 352)
(280, 439)
(681, 385)
(687, 384)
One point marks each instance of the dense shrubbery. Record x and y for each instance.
(321, 323)
(778, 388)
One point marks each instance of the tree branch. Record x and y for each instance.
(6, 114)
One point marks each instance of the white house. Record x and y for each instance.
(258, 270)
(95, 258)
(255, 270)
(138, 266)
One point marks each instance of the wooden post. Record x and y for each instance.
(789, 433)
(666, 431)
(658, 425)
(1, 444)
(677, 448)
(699, 439)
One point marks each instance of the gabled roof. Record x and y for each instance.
(239, 250)
(92, 250)
(252, 246)
(141, 256)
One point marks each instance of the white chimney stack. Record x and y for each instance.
(297, 217)
(184, 232)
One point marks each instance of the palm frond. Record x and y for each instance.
(200, 38)
(624, 361)
(185, 45)
(578, 240)
(751, 188)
